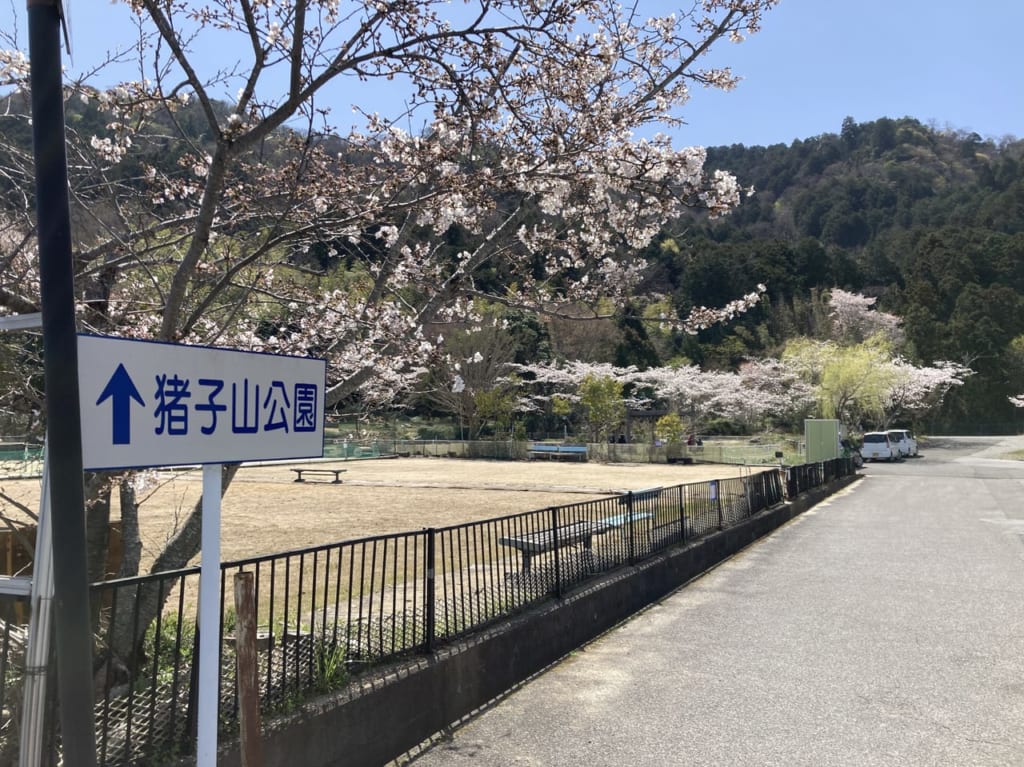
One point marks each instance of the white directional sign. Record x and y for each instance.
(153, 404)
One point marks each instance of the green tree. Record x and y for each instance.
(496, 408)
(601, 399)
(670, 429)
(851, 382)
(855, 381)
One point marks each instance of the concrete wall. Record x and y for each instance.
(390, 715)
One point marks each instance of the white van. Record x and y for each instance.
(903, 441)
(877, 447)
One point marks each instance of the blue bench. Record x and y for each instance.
(551, 450)
(647, 494)
(618, 520)
(542, 541)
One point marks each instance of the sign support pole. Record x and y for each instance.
(209, 619)
(63, 416)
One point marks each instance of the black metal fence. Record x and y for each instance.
(720, 450)
(329, 612)
(809, 475)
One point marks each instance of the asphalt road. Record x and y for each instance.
(883, 627)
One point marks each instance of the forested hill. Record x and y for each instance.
(930, 222)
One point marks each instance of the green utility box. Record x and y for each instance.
(822, 436)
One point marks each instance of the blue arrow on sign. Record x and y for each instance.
(121, 389)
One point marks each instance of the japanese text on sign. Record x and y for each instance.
(253, 407)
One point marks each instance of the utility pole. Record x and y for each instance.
(60, 364)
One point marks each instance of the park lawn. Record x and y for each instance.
(265, 511)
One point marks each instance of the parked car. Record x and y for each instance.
(903, 441)
(876, 446)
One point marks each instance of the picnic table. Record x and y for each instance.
(325, 472)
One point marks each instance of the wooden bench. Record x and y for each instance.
(326, 472)
(550, 450)
(543, 541)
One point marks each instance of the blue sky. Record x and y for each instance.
(954, 63)
(817, 61)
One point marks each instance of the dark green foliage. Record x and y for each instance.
(929, 222)
(634, 347)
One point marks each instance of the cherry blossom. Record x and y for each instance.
(853, 318)
(526, 147)
(916, 390)
(519, 128)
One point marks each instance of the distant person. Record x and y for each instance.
(691, 441)
(622, 439)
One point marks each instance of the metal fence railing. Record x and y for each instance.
(329, 612)
(722, 450)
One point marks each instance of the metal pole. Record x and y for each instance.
(629, 527)
(37, 651)
(558, 557)
(682, 514)
(430, 589)
(60, 358)
(209, 619)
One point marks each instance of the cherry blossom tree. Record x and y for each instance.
(854, 319)
(526, 135)
(527, 115)
(695, 395)
(763, 392)
(593, 392)
(915, 391)
(771, 393)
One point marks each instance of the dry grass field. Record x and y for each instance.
(265, 511)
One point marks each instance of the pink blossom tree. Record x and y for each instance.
(763, 392)
(917, 390)
(527, 128)
(854, 319)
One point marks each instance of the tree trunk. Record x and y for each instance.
(97, 524)
(137, 608)
(131, 540)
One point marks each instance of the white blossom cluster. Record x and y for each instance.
(702, 317)
(854, 318)
(517, 140)
(916, 389)
(14, 68)
(761, 391)
(19, 255)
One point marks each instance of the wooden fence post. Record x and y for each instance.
(247, 671)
